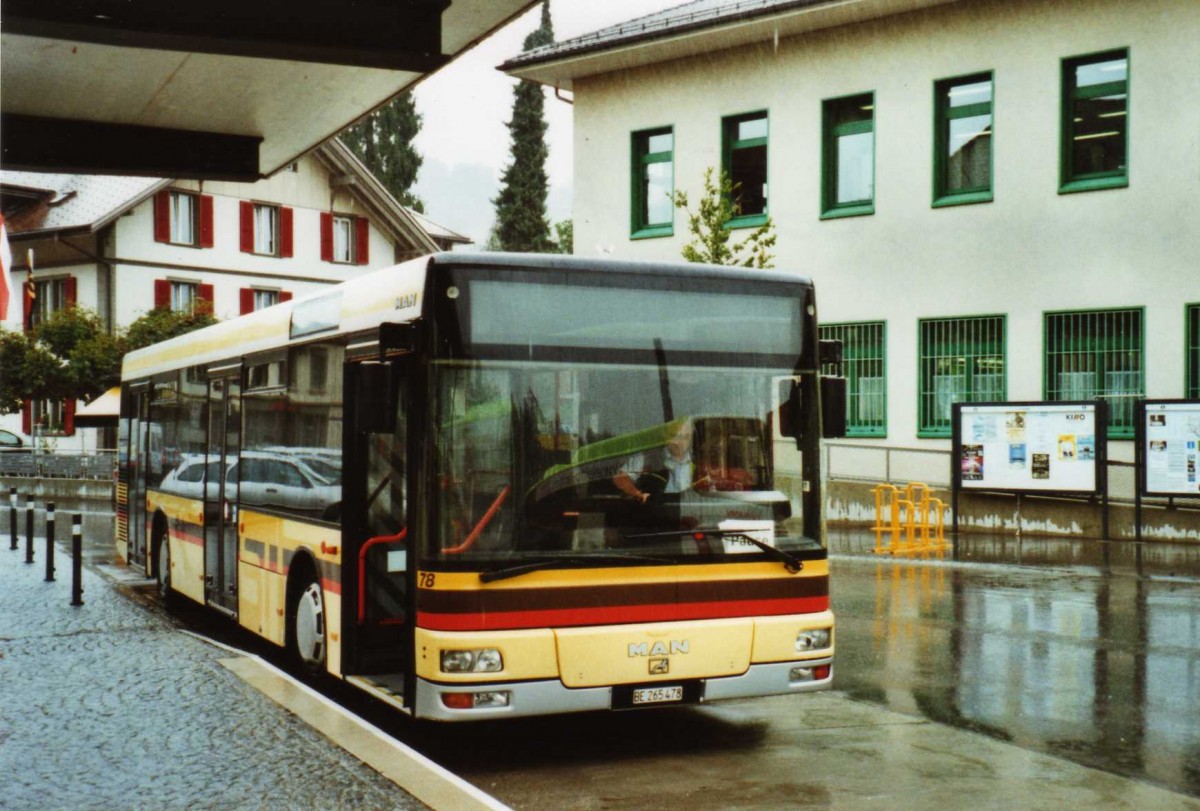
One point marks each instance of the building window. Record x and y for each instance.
(49, 296)
(864, 366)
(183, 218)
(265, 298)
(744, 150)
(848, 156)
(963, 140)
(343, 240)
(961, 361)
(1095, 124)
(1097, 354)
(184, 296)
(1192, 355)
(50, 417)
(653, 183)
(266, 229)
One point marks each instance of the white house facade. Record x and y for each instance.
(997, 199)
(123, 246)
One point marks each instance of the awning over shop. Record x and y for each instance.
(101, 412)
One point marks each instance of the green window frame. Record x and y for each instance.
(653, 171)
(1094, 153)
(744, 160)
(1097, 354)
(864, 365)
(1192, 351)
(848, 156)
(963, 139)
(961, 360)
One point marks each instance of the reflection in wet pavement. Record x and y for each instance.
(1092, 653)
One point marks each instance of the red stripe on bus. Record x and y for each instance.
(187, 537)
(331, 586)
(618, 615)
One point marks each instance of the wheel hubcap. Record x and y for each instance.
(310, 626)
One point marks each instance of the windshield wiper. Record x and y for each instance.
(790, 562)
(551, 562)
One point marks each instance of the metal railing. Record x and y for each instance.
(890, 465)
(98, 465)
(879, 463)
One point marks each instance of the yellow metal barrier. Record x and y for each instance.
(915, 523)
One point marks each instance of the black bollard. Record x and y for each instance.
(12, 515)
(77, 559)
(29, 529)
(50, 542)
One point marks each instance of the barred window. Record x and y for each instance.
(961, 361)
(1192, 354)
(1097, 354)
(864, 349)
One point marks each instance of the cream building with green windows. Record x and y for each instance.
(997, 199)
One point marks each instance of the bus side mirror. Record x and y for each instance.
(374, 398)
(833, 407)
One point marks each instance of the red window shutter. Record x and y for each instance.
(69, 418)
(29, 290)
(206, 221)
(326, 236)
(284, 295)
(205, 292)
(362, 241)
(162, 216)
(71, 288)
(162, 294)
(247, 226)
(285, 232)
(246, 296)
(27, 417)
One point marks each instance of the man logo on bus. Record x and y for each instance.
(659, 648)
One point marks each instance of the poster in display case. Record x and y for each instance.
(1029, 447)
(1169, 446)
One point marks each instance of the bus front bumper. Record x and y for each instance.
(453, 702)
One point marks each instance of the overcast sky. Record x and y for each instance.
(464, 107)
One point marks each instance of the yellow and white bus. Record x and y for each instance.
(483, 486)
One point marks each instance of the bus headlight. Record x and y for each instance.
(812, 640)
(483, 660)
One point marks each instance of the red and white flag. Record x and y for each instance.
(5, 266)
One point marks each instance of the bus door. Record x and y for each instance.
(221, 489)
(139, 453)
(375, 521)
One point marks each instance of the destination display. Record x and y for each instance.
(1172, 448)
(1028, 447)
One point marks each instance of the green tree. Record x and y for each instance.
(564, 236)
(70, 356)
(712, 239)
(162, 323)
(383, 141)
(521, 223)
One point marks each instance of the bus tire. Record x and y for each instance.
(306, 623)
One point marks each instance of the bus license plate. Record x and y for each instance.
(658, 695)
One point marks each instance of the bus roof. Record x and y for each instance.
(390, 294)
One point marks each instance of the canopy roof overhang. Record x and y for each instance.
(226, 89)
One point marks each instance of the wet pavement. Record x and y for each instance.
(107, 705)
(1085, 650)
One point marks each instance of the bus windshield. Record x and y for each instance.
(538, 459)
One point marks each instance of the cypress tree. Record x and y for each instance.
(521, 223)
(383, 141)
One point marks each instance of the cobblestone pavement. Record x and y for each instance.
(109, 706)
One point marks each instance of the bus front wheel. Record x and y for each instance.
(308, 627)
(163, 573)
